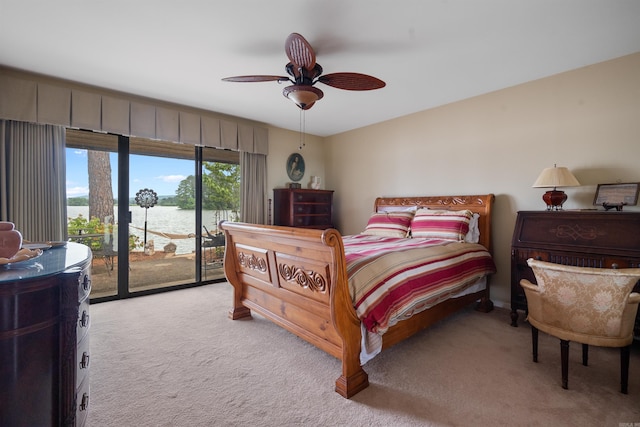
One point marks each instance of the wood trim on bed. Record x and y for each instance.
(297, 278)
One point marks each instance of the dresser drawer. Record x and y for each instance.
(84, 320)
(84, 285)
(83, 361)
(82, 402)
(312, 197)
(17, 313)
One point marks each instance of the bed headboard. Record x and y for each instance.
(480, 204)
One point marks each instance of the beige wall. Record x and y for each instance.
(282, 143)
(587, 120)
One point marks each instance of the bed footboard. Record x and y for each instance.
(297, 278)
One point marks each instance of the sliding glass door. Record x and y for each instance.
(220, 195)
(163, 228)
(149, 211)
(92, 217)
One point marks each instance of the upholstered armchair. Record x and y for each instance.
(592, 306)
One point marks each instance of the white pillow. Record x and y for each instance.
(397, 208)
(473, 236)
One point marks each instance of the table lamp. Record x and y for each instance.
(552, 178)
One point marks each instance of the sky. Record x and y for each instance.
(162, 175)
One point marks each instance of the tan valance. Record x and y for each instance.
(35, 99)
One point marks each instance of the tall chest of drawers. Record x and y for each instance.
(44, 339)
(299, 207)
(597, 239)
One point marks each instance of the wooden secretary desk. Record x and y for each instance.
(600, 239)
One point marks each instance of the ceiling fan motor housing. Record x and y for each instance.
(304, 96)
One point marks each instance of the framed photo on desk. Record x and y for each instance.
(617, 195)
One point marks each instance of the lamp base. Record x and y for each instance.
(554, 199)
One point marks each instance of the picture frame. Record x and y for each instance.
(617, 195)
(295, 167)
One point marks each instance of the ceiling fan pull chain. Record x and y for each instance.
(302, 129)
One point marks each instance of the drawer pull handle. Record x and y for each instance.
(84, 363)
(86, 283)
(85, 402)
(84, 319)
(538, 258)
(614, 265)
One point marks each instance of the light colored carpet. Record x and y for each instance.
(175, 359)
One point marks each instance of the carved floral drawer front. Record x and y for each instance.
(304, 277)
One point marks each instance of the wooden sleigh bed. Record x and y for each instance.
(297, 278)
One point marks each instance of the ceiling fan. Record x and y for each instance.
(304, 72)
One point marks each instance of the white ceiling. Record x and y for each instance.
(428, 52)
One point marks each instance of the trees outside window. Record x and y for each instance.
(220, 188)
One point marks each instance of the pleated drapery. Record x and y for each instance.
(28, 98)
(33, 179)
(58, 104)
(253, 192)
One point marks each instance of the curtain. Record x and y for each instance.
(27, 99)
(32, 179)
(253, 171)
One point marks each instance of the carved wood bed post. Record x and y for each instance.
(238, 311)
(353, 379)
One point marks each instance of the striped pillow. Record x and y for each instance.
(441, 224)
(389, 224)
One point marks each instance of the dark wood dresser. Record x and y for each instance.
(44, 339)
(298, 207)
(589, 238)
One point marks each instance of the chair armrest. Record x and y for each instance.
(529, 286)
(629, 314)
(534, 300)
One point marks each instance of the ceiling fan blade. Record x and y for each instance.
(352, 81)
(256, 79)
(300, 52)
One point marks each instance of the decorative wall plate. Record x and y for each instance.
(295, 167)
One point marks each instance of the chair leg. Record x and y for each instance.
(534, 343)
(624, 368)
(585, 354)
(564, 355)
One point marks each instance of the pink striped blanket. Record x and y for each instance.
(391, 279)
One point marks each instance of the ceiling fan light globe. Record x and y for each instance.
(304, 96)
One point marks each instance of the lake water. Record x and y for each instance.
(164, 219)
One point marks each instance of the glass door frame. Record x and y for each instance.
(123, 149)
(124, 217)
